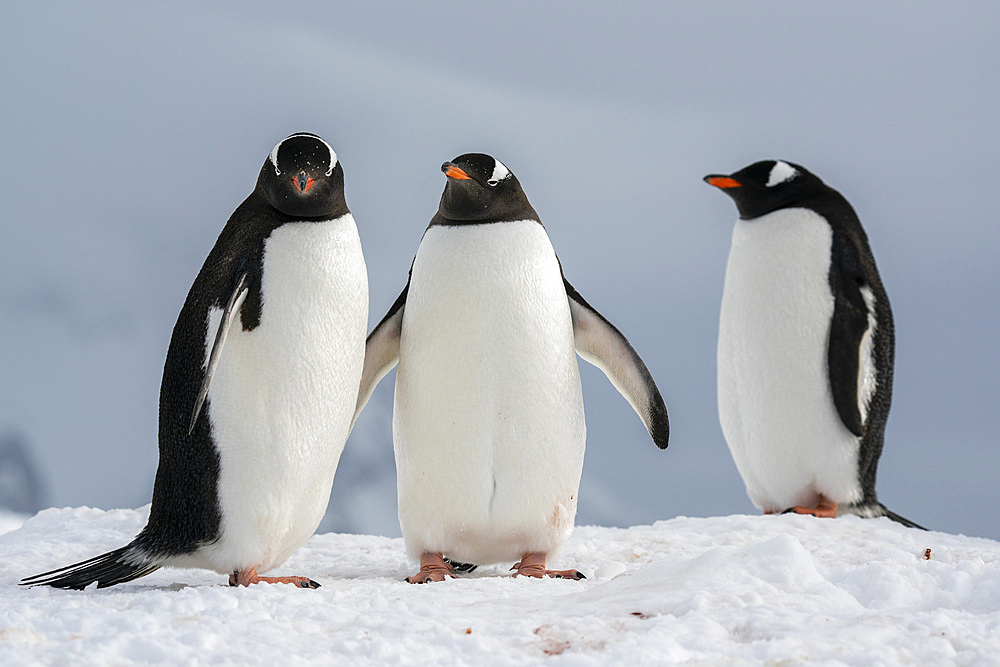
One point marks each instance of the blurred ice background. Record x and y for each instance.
(131, 132)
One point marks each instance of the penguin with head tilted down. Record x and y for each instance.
(259, 386)
(488, 424)
(806, 344)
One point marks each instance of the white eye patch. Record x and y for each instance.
(274, 152)
(780, 173)
(500, 172)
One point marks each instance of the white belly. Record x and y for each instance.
(488, 421)
(283, 394)
(775, 403)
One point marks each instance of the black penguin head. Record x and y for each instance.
(302, 178)
(481, 189)
(767, 186)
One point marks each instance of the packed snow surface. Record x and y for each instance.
(725, 590)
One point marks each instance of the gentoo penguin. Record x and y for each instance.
(259, 386)
(805, 346)
(488, 424)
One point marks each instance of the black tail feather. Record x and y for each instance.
(871, 510)
(460, 567)
(114, 567)
(899, 519)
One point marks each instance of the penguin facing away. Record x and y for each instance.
(259, 385)
(488, 422)
(806, 345)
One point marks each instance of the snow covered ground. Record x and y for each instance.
(723, 590)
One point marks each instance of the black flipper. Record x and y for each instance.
(114, 567)
(228, 315)
(601, 344)
(381, 350)
(847, 332)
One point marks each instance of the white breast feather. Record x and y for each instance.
(488, 421)
(775, 403)
(283, 395)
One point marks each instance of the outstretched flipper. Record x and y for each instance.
(381, 351)
(228, 315)
(601, 344)
(114, 567)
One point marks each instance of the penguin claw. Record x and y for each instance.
(533, 565)
(250, 576)
(433, 567)
(529, 571)
(424, 577)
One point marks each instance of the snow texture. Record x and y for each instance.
(735, 590)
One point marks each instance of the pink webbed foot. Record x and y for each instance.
(432, 568)
(250, 576)
(532, 564)
(825, 508)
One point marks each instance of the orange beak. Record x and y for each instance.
(303, 182)
(454, 172)
(723, 182)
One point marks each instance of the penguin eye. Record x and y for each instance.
(492, 183)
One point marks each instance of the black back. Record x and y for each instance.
(852, 267)
(185, 512)
(474, 195)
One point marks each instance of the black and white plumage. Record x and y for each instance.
(806, 345)
(488, 422)
(259, 385)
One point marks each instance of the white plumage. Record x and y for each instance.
(488, 423)
(775, 403)
(283, 395)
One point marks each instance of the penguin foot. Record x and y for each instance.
(825, 508)
(433, 567)
(532, 564)
(250, 576)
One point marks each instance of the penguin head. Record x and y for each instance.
(302, 178)
(767, 186)
(481, 189)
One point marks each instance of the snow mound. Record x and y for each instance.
(723, 590)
